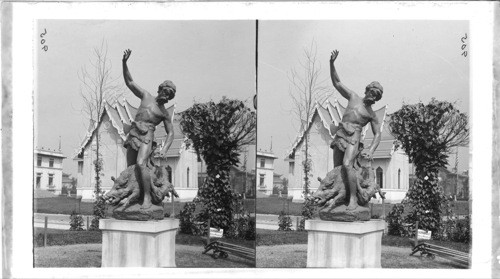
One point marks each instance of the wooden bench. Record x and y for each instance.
(432, 251)
(223, 249)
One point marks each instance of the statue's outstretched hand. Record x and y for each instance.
(126, 55)
(334, 56)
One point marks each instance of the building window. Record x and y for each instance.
(380, 175)
(80, 167)
(38, 180)
(169, 172)
(261, 181)
(187, 180)
(39, 161)
(51, 180)
(262, 163)
(399, 178)
(291, 167)
(51, 162)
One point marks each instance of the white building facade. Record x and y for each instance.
(265, 172)
(391, 166)
(181, 163)
(48, 170)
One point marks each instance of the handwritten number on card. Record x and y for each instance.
(464, 45)
(42, 42)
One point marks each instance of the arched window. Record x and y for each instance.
(169, 172)
(380, 177)
(399, 178)
(187, 177)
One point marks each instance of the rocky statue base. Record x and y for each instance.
(135, 212)
(340, 213)
(127, 243)
(344, 244)
(332, 197)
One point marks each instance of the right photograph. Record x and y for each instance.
(363, 144)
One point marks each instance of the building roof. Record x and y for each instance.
(329, 113)
(124, 112)
(266, 154)
(48, 152)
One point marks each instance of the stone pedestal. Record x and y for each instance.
(344, 244)
(127, 243)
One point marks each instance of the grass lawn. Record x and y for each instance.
(295, 256)
(271, 238)
(66, 205)
(274, 205)
(62, 205)
(89, 255)
(66, 237)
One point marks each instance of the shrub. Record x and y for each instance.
(73, 190)
(243, 226)
(307, 213)
(455, 230)
(99, 212)
(76, 222)
(64, 191)
(186, 218)
(284, 222)
(396, 222)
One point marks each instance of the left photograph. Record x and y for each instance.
(145, 144)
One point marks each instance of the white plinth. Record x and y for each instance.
(138, 243)
(344, 244)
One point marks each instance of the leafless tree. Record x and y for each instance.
(97, 87)
(307, 87)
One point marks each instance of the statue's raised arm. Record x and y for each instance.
(136, 89)
(343, 90)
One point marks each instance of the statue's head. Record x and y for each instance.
(166, 91)
(373, 92)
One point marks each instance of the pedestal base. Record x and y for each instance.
(127, 243)
(344, 244)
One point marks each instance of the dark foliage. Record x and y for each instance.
(218, 131)
(428, 133)
(75, 222)
(284, 222)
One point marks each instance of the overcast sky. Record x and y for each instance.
(413, 60)
(205, 59)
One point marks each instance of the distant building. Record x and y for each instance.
(265, 172)
(181, 163)
(391, 166)
(455, 185)
(48, 168)
(242, 177)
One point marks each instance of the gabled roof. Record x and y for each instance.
(124, 112)
(330, 113)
